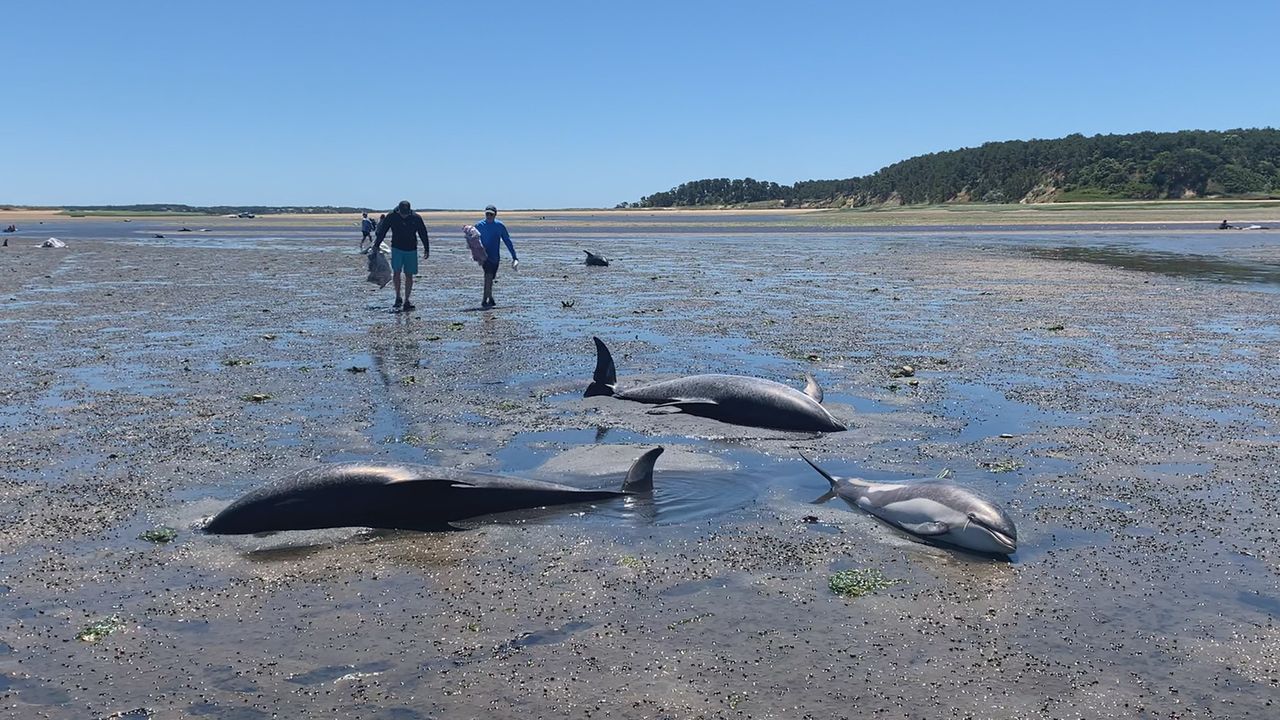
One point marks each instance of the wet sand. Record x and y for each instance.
(1137, 392)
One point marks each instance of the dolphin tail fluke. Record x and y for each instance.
(640, 476)
(605, 378)
(828, 494)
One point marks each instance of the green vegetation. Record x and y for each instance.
(97, 630)
(1140, 166)
(856, 583)
(159, 535)
(1001, 466)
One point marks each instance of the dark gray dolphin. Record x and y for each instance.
(728, 398)
(402, 497)
(933, 510)
(594, 259)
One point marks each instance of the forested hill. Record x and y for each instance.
(1141, 166)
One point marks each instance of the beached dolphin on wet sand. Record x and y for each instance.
(596, 260)
(402, 497)
(728, 398)
(933, 510)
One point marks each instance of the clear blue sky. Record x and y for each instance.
(583, 104)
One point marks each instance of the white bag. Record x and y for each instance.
(379, 269)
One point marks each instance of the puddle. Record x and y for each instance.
(323, 675)
(1195, 267)
(30, 691)
(528, 451)
(988, 413)
(224, 712)
(1183, 469)
(552, 637)
(126, 378)
(1267, 603)
(696, 586)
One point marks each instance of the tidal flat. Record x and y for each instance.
(1115, 389)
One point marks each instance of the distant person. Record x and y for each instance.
(367, 227)
(406, 227)
(1225, 225)
(491, 231)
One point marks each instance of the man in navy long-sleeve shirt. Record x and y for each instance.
(491, 231)
(406, 227)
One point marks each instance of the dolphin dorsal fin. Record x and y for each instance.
(605, 378)
(640, 476)
(812, 388)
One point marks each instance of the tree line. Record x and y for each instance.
(218, 209)
(1138, 166)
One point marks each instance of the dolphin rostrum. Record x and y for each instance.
(402, 497)
(934, 510)
(733, 399)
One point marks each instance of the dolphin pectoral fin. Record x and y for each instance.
(812, 388)
(693, 406)
(828, 495)
(605, 379)
(640, 476)
(428, 526)
(927, 528)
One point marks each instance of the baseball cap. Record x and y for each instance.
(491, 209)
(404, 205)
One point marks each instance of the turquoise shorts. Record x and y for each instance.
(404, 261)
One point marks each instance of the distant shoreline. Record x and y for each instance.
(1128, 212)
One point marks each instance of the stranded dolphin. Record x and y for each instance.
(402, 497)
(594, 259)
(728, 398)
(934, 510)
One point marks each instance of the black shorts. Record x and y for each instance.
(490, 268)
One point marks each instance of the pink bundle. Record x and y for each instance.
(473, 243)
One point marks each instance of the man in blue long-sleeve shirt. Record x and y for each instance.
(406, 227)
(491, 231)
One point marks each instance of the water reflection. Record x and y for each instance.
(1196, 267)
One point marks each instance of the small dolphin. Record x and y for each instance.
(733, 399)
(933, 510)
(402, 497)
(594, 259)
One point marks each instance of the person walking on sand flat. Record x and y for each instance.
(406, 227)
(491, 231)
(367, 227)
